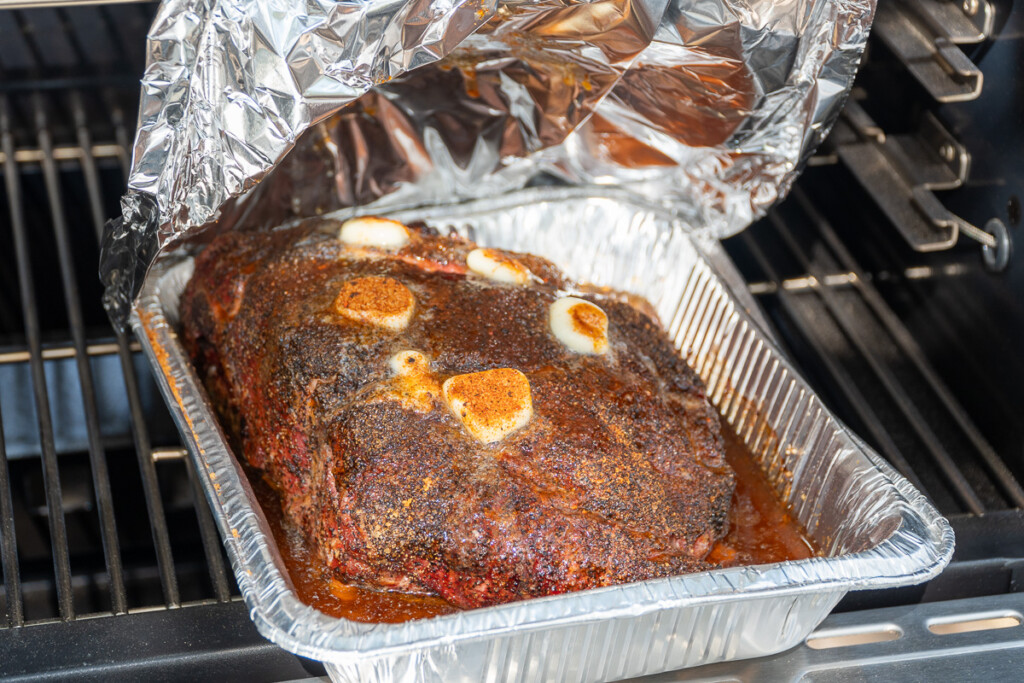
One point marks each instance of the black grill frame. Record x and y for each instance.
(56, 105)
(834, 263)
(72, 115)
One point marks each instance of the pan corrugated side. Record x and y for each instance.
(874, 528)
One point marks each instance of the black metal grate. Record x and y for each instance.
(86, 444)
(69, 47)
(915, 352)
(100, 513)
(859, 311)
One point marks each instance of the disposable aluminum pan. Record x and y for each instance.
(874, 528)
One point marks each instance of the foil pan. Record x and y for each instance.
(874, 528)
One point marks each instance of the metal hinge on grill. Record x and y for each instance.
(925, 35)
(902, 172)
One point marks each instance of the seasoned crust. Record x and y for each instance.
(618, 474)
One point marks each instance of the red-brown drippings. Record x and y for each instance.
(330, 596)
(761, 531)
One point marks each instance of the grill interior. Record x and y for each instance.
(100, 513)
(98, 506)
(847, 325)
(890, 339)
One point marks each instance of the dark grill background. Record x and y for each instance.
(100, 513)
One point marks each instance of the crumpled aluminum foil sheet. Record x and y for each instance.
(708, 107)
(874, 528)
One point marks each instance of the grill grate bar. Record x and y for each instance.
(151, 487)
(845, 383)
(939, 314)
(113, 38)
(8, 543)
(64, 351)
(111, 24)
(51, 475)
(70, 36)
(1000, 472)
(143, 447)
(97, 455)
(92, 178)
(954, 476)
(208, 532)
(35, 4)
(957, 311)
(66, 153)
(28, 35)
(120, 131)
(140, 434)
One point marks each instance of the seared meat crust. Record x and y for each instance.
(618, 476)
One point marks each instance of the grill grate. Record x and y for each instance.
(101, 513)
(78, 409)
(841, 323)
(67, 47)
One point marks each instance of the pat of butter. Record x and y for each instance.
(490, 404)
(405, 363)
(579, 324)
(412, 384)
(371, 231)
(494, 265)
(381, 301)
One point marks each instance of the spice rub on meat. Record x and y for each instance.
(442, 419)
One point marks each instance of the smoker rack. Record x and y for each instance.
(100, 513)
(54, 163)
(101, 517)
(847, 327)
(943, 452)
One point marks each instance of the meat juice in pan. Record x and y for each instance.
(621, 476)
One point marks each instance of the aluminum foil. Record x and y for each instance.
(874, 528)
(708, 107)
